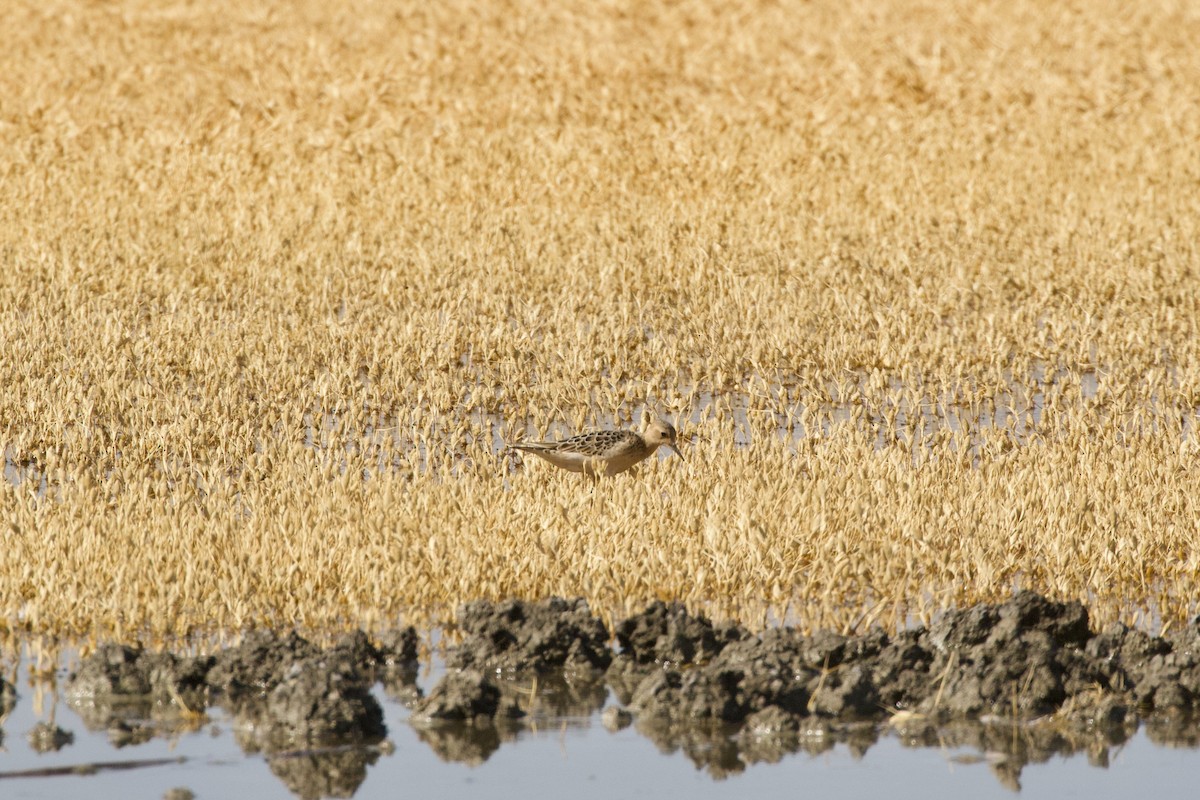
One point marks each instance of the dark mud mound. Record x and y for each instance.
(668, 634)
(554, 634)
(514, 656)
(397, 649)
(465, 696)
(466, 716)
(118, 682)
(258, 664)
(825, 675)
(121, 671)
(663, 636)
(284, 691)
(728, 698)
(1021, 680)
(1162, 674)
(1023, 658)
(397, 665)
(695, 695)
(1030, 660)
(321, 699)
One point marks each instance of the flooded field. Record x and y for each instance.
(531, 698)
(574, 755)
(915, 283)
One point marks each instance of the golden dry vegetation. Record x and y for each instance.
(918, 280)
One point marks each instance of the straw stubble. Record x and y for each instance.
(916, 283)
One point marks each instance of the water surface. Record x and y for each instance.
(572, 755)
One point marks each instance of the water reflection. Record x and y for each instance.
(472, 742)
(543, 700)
(46, 737)
(334, 772)
(550, 703)
(1008, 747)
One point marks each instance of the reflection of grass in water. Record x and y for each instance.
(407, 226)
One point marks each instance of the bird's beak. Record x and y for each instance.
(676, 449)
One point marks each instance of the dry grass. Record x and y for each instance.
(250, 255)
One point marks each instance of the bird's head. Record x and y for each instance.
(661, 433)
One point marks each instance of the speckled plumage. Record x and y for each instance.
(604, 452)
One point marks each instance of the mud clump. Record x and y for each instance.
(466, 717)
(1024, 657)
(845, 693)
(823, 675)
(258, 664)
(692, 696)
(112, 670)
(722, 695)
(662, 637)
(668, 634)
(287, 692)
(399, 648)
(121, 671)
(284, 690)
(466, 696)
(118, 681)
(780, 691)
(558, 640)
(519, 636)
(322, 699)
(1163, 674)
(901, 670)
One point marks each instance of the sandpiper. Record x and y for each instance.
(604, 452)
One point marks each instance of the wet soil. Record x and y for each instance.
(1027, 679)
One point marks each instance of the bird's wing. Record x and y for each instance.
(532, 447)
(593, 444)
(597, 444)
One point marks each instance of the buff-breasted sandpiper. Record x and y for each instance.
(604, 452)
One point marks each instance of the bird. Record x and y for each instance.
(598, 453)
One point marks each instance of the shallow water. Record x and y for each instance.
(573, 755)
(388, 443)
